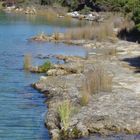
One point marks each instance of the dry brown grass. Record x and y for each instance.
(27, 61)
(52, 13)
(85, 95)
(97, 80)
(98, 32)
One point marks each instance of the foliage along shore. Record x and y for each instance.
(129, 7)
(92, 10)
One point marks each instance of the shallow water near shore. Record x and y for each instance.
(22, 108)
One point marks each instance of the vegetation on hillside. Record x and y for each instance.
(126, 6)
(129, 7)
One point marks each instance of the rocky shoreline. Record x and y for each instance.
(113, 109)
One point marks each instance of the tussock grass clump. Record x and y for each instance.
(85, 94)
(27, 61)
(64, 111)
(98, 32)
(97, 80)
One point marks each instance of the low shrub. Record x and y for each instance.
(45, 67)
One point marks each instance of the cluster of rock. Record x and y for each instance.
(93, 16)
(28, 10)
(65, 69)
(56, 37)
(106, 113)
(61, 69)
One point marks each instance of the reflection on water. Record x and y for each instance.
(40, 20)
(21, 107)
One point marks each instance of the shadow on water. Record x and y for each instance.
(134, 62)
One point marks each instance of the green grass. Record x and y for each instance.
(45, 67)
(64, 111)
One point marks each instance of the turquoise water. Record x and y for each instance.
(22, 108)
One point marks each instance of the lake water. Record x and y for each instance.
(22, 108)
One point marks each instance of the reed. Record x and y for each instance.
(27, 61)
(64, 111)
(96, 80)
(99, 80)
(85, 94)
(98, 32)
